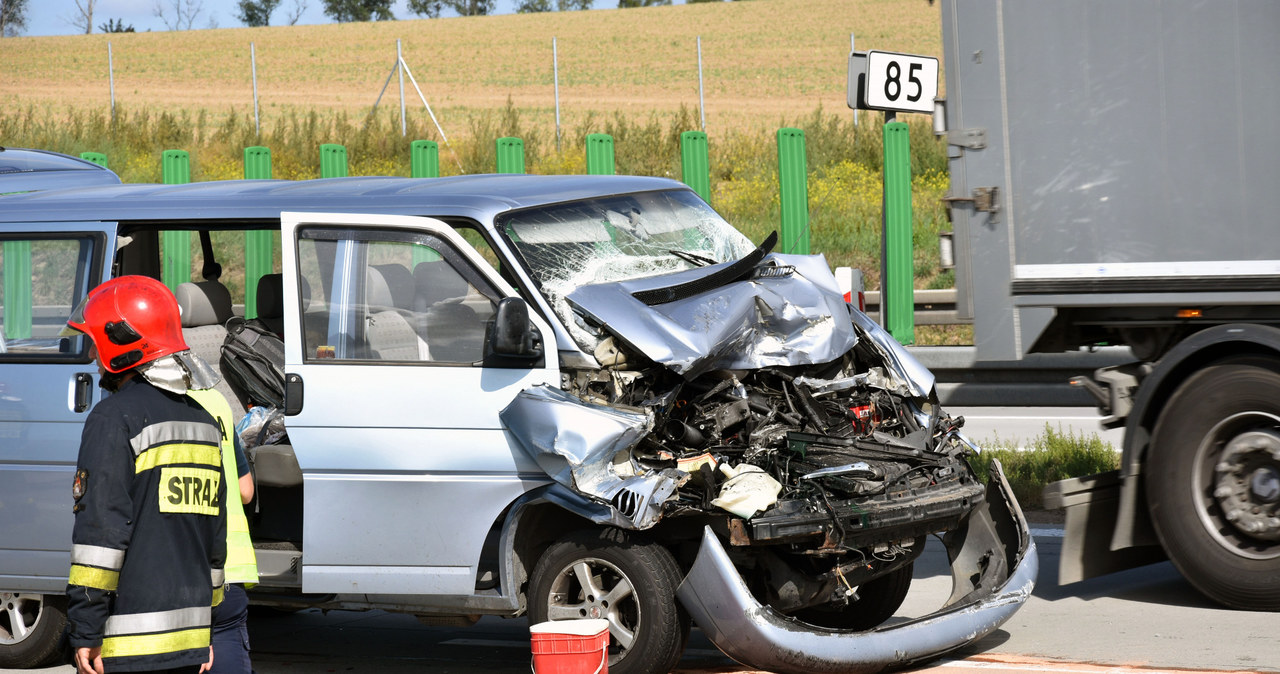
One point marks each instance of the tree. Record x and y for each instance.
(115, 26)
(532, 6)
(343, 11)
(82, 19)
(623, 4)
(571, 5)
(428, 8)
(13, 17)
(299, 6)
(256, 12)
(432, 8)
(178, 14)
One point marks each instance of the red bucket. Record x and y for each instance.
(571, 646)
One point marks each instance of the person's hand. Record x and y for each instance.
(89, 660)
(208, 665)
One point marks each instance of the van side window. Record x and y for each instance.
(41, 281)
(392, 297)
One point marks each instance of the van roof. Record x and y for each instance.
(473, 196)
(25, 170)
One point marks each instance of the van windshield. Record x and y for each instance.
(620, 237)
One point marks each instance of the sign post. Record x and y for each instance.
(892, 83)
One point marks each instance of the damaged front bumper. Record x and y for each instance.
(994, 565)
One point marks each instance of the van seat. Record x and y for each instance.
(270, 304)
(391, 335)
(205, 308)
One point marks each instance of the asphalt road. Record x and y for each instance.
(1144, 620)
(1019, 426)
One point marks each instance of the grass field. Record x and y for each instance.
(763, 62)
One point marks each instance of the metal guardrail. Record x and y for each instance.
(933, 307)
(1036, 380)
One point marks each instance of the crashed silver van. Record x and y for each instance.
(559, 397)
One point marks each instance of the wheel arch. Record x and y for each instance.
(1133, 525)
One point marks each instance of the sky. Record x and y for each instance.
(53, 17)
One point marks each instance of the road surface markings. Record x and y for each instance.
(1014, 663)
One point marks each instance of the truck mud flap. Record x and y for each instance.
(994, 566)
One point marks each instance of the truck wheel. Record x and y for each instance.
(632, 584)
(1213, 482)
(877, 601)
(31, 627)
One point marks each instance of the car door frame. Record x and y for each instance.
(403, 504)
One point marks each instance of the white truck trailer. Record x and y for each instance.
(1115, 180)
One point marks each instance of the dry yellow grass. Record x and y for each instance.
(763, 62)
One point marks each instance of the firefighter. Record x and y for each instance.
(150, 536)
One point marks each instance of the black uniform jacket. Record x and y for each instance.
(150, 530)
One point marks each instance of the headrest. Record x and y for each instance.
(435, 280)
(204, 303)
(377, 293)
(399, 282)
(271, 296)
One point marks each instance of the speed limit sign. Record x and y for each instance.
(882, 80)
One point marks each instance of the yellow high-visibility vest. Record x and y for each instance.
(242, 564)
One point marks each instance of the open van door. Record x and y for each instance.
(392, 402)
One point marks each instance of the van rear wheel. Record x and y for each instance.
(609, 574)
(31, 627)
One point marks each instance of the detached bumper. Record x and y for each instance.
(994, 567)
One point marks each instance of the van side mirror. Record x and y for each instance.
(513, 341)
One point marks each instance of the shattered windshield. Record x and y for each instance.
(620, 237)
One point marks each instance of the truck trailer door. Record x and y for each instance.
(394, 417)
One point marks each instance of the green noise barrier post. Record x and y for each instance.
(600, 159)
(424, 159)
(333, 161)
(793, 186)
(257, 244)
(897, 299)
(695, 166)
(175, 169)
(510, 155)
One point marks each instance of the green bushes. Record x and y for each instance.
(1051, 457)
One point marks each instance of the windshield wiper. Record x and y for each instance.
(692, 258)
(734, 272)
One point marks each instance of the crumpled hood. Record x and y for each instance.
(787, 311)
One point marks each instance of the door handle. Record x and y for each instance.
(292, 394)
(83, 392)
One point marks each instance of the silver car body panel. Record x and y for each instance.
(792, 317)
(761, 638)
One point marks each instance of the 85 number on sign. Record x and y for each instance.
(900, 82)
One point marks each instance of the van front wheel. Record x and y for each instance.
(31, 627)
(632, 584)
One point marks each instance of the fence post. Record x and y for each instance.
(793, 186)
(333, 161)
(175, 169)
(695, 167)
(600, 161)
(424, 159)
(897, 299)
(510, 155)
(257, 244)
(95, 157)
(17, 289)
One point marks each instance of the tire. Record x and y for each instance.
(1212, 481)
(613, 575)
(31, 629)
(877, 601)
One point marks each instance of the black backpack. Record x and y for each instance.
(253, 363)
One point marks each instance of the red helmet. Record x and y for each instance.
(132, 320)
